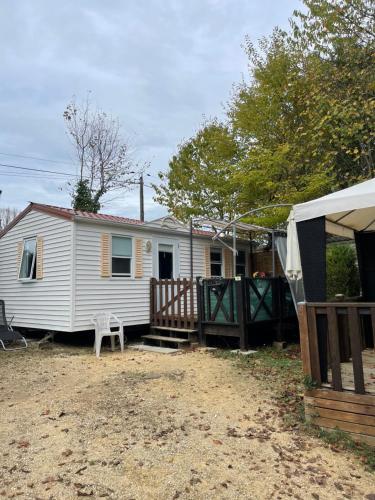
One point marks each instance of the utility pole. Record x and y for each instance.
(141, 199)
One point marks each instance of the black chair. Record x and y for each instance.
(8, 336)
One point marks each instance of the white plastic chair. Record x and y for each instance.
(102, 322)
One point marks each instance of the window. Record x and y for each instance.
(122, 249)
(216, 262)
(241, 263)
(28, 260)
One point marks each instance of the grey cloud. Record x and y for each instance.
(160, 65)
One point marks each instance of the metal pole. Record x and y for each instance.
(234, 249)
(191, 249)
(141, 200)
(273, 254)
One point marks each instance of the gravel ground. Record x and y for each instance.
(153, 426)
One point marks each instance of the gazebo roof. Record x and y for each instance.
(348, 210)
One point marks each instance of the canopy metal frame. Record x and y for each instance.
(221, 227)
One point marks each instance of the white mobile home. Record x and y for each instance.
(58, 266)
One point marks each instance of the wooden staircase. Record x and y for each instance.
(172, 314)
(166, 336)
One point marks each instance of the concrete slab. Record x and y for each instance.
(207, 349)
(152, 348)
(243, 353)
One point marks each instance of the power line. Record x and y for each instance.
(35, 158)
(37, 170)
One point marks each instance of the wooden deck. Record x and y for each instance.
(338, 355)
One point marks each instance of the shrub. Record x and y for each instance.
(342, 271)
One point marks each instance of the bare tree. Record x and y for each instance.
(104, 157)
(7, 214)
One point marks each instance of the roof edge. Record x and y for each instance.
(39, 208)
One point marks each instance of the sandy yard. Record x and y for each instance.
(152, 426)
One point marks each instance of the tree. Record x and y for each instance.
(342, 271)
(199, 177)
(303, 124)
(82, 198)
(104, 158)
(7, 214)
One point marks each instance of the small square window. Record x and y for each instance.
(122, 251)
(28, 260)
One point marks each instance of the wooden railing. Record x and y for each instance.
(331, 333)
(172, 303)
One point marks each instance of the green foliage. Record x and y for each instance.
(199, 178)
(342, 271)
(83, 198)
(301, 127)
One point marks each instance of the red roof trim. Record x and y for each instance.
(67, 213)
(70, 214)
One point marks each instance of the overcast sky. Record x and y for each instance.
(159, 65)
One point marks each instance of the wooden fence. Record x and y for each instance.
(332, 333)
(173, 303)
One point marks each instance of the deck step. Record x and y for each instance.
(154, 348)
(174, 329)
(161, 338)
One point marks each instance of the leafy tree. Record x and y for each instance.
(83, 199)
(302, 126)
(342, 271)
(198, 181)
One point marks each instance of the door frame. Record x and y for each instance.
(156, 240)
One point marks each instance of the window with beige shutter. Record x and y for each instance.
(39, 257)
(138, 258)
(105, 266)
(19, 256)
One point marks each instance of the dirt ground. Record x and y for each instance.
(154, 426)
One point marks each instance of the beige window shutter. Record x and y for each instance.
(105, 257)
(207, 261)
(39, 257)
(19, 256)
(138, 258)
(228, 263)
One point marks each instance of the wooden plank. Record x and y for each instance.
(345, 426)
(160, 316)
(356, 348)
(341, 406)
(357, 418)
(185, 285)
(173, 329)
(178, 303)
(334, 348)
(191, 322)
(348, 397)
(172, 301)
(166, 295)
(313, 345)
(166, 339)
(304, 339)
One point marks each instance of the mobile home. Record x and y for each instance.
(59, 266)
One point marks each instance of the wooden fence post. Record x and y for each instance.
(200, 311)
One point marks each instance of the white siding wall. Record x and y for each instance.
(44, 303)
(128, 298)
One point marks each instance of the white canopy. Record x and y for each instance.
(346, 210)
(293, 268)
